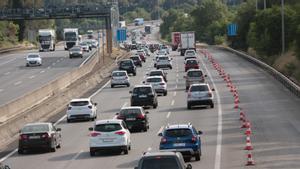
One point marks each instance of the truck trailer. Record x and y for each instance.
(175, 40)
(187, 41)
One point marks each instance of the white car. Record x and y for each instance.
(33, 59)
(190, 52)
(82, 109)
(85, 46)
(111, 134)
(200, 94)
(164, 62)
(158, 84)
(162, 52)
(119, 77)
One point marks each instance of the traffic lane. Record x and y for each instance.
(272, 109)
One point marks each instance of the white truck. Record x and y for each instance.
(71, 37)
(187, 41)
(47, 40)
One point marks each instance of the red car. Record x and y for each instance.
(191, 64)
(142, 55)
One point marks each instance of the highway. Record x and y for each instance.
(272, 109)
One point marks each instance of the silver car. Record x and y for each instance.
(200, 94)
(119, 77)
(193, 76)
(158, 83)
(33, 59)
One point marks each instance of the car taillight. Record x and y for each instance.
(45, 136)
(163, 140)
(23, 137)
(120, 133)
(90, 107)
(197, 67)
(209, 94)
(69, 108)
(140, 116)
(120, 117)
(95, 134)
(194, 139)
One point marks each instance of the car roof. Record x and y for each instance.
(131, 107)
(194, 70)
(80, 99)
(161, 153)
(200, 84)
(191, 59)
(33, 54)
(119, 71)
(108, 121)
(37, 123)
(142, 85)
(152, 77)
(179, 126)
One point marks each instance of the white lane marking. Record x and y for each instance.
(3, 63)
(177, 80)
(49, 67)
(174, 94)
(61, 58)
(60, 120)
(219, 129)
(42, 71)
(176, 86)
(77, 155)
(125, 104)
(172, 103)
(17, 83)
(169, 114)
(177, 75)
(8, 155)
(160, 130)
(7, 73)
(31, 77)
(99, 90)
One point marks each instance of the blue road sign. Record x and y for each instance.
(121, 35)
(232, 29)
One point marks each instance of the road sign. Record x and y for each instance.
(121, 35)
(232, 29)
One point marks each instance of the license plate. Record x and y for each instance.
(130, 119)
(34, 137)
(108, 140)
(179, 144)
(142, 96)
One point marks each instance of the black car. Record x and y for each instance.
(143, 95)
(127, 65)
(39, 136)
(135, 118)
(76, 51)
(136, 60)
(162, 160)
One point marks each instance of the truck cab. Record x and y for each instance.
(47, 40)
(71, 37)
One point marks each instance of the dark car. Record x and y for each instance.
(136, 60)
(183, 138)
(135, 118)
(191, 64)
(158, 73)
(127, 65)
(76, 51)
(162, 160)
(143, 95)
(39, 136)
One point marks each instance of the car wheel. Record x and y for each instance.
(20, 151)
(186, 87)
(212, 105)
(155, 105)
(112, 86)
(128, 85)
(134, 74)
(165, 93)
(170, 67)
(129, 147)
(189, 106)
(145, 129)
(68, 120)
(126, 150)
(70, 57)
(58, 146)
(52, 149)
(157, 67)
(197, 156)
(92, 153)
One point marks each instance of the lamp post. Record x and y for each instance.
(282, 28)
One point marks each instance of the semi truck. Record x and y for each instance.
(187, 41)
(47, 39)
(175, 40)
(148, 29)
(71, 37)
(139, 21)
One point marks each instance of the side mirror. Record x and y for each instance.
(205, 75)
(189, 166)
(146, 112)
(130, 92)
(117, 113)
(212, 89)
(58, 129)
(200, 132)
(148, 73)
(91, 129)
(95, 104)
(160, 134)
(144, 82)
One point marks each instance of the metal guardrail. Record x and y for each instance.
(289, 84)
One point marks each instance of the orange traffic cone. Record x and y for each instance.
(242, 115)
(248, 132)
(250, 160)
(248, 144)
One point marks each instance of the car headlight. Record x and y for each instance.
(71, 53)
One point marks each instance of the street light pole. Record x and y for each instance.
(282, 27)
(256, 5)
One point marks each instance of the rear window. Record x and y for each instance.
(199, 88)
(154, 80)
(160, 163)
(125, 63)
(108, 127)
(130, 112)
(191, 62)
(178, 132)
(194, 73)
(156, 73)
(118, 74)
(142, 90)
(36, 128)
(190, 52)
(79, 103)
(163, 58)
(33, 56)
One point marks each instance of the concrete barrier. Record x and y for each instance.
(289, 84)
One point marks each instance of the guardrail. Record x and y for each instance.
(289, 84)
(17, 48)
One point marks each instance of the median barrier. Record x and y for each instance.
(289, 84)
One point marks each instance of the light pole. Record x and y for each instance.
(282, 27)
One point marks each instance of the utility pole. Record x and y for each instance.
(256, 4)
(265, 4)
(282, 27)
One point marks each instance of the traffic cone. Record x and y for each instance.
(242, 115)
(248, 144)
(244, 124)
(250, 161)
(236, 100)
(248, 132)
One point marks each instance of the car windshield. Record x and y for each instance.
(130, 112)
(109, 127)
(118, 74)
(199, 88)
(155, 73)
(142, 90)
(160, 163)
(79, 103)
(154, 80)
(194, 73)
(75, 49)
(125, 63)
(35, 128)
(178, 132)
(33, 56)
(163, 58)
(191, 62)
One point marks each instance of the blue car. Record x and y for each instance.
(182, 138)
